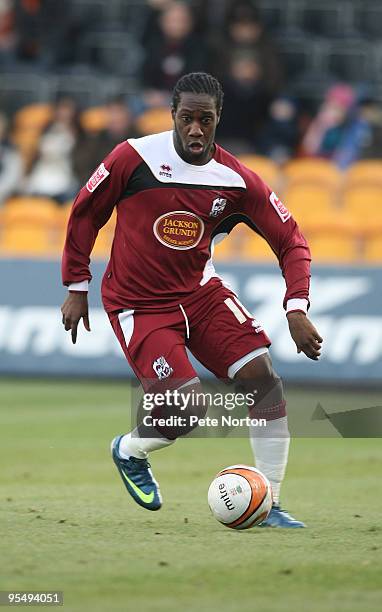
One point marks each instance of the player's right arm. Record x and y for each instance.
(91, 210)
(73, 310)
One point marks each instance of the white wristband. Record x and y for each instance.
(81, 286)
(297, 304)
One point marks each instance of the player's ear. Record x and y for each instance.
(218, 116)
(173, 111)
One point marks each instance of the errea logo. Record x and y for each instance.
(165, 170)
(279, 207)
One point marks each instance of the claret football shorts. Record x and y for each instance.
(211, 323)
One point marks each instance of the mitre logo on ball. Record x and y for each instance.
(240, 497)
(179, 230)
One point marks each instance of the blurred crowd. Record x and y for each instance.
(224, 37)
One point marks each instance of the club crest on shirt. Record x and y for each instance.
(161, 368)
(97, 177)
(165, 170)
(218, 205)
(279, 207)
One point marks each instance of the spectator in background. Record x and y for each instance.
(212, 16)
(370, 113)
(52, 172)
(245, 33)
(153, 9)
(326, 131)
(7, 33)
(93, 148)
(11, 167)
(47, 33)
(173, 49)
(280, 135)
(362, 136)
(246, 103)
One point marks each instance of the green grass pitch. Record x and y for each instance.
(68, 524)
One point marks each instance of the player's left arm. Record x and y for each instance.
(274, 222)
(304, 334)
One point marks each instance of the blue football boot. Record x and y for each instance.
(138, 478)
(279, 518)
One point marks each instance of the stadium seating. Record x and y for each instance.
(63, 212)
(33, 117)
(29, 122)
(154, 120)
(273, 13)
(362, 204)
(111, 49)
(312, 170)
(267, 169)
(104, 240)
(373, 249)
(334, 247)
(89, 88)
(30, 226)
(339, 213)
(94, 119)
(27, 143)
(21, 86)
(310, 200)
(256, 248)
(367, 171)
(252, 246)
(300, 52)
(368, 16)
(352, 60)
(313, 221)
(225, 250)
(326, 18)
(319, 42)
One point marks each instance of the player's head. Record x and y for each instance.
(196, 105)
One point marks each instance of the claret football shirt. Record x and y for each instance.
(169, 214)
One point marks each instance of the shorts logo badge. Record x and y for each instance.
(161, 368)
(257, 326)
(97, 177)
(218, 205)
(165, 170)
(279, 207)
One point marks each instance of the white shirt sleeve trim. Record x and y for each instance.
(297, 304)
(81, 286)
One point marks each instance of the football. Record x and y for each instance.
(240, 497)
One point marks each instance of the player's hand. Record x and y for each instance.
(73, 310)
(305, 335)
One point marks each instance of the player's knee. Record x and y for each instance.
(267, 388)
(259, 368)
(182, 412)
(270, 403)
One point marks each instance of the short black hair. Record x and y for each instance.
(199, 83)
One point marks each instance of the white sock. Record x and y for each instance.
(131, 445)
(271, 452)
